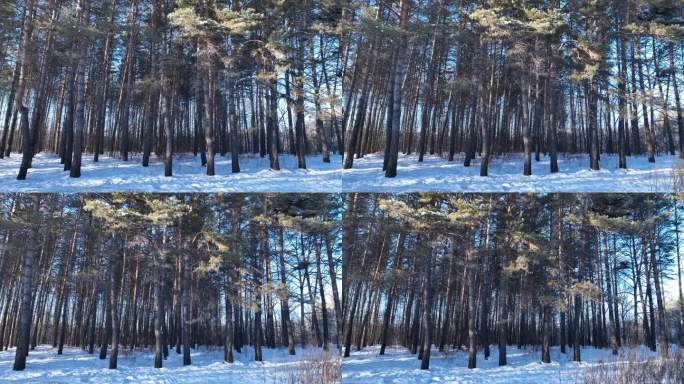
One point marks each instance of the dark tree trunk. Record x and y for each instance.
(26, 293)
(114, 308)
(79, 118)
(287, 331)
(185, 319)
(26, 149)
(472, 310)
(429, 298)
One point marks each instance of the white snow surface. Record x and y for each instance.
(398, 365)
(114, 175)
(436, 174)
(44, 365)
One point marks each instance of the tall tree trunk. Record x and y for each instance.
(546, 333)
(287, 331)
(320, 129)
(321, 292)
(168, 122)
(503, 319)
(593, 128)
(300, 134)
(472, 310)
(650, 139)
(20, 106)
(678, 104)
(234, 126)
(662, 321)
(114, 307)
(127, 83)
(186, 281)
(272, 122)
(429, 298)
(26, 293)
(397, 79)
(79, 118)
(26, 146)
(209, 123)
(39, 103)
(526, 128)
(258, 272)
(609, 291)
(158, 306)
(622, 104)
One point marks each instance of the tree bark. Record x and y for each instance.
(24, 321)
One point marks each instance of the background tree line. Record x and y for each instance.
(470, 271)
(165, 76)
(496, 77)
(165, 272)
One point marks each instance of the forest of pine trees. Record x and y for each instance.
(169, 273)
(159, 77)
(226, 285)
(473, 271)
(484, 78)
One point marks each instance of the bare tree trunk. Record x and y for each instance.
(397, 91)
(287, 331)
(186, 279)
(321, 292)
(472, 310)
(503, 319)
(650, 139)
(662, 321)
(546, 333)
(114, 308)
(300, 135)
(26, 148)
(234, 127)
(429, 299)
(208, 120)
(228, 337)
(20, 107)
(79, 118)
(678, 104)
(158, 306)
(168, 125)
(24, 321)
(258, 270)
(272, 122)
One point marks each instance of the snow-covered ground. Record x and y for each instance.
(434, 174)
(113, 175)
(524, 366)
(76, 366)
(505, 175)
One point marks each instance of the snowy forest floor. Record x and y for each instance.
(114, 175)
(434, 174)
(398, 365)
(505, 175)
(77, 366)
